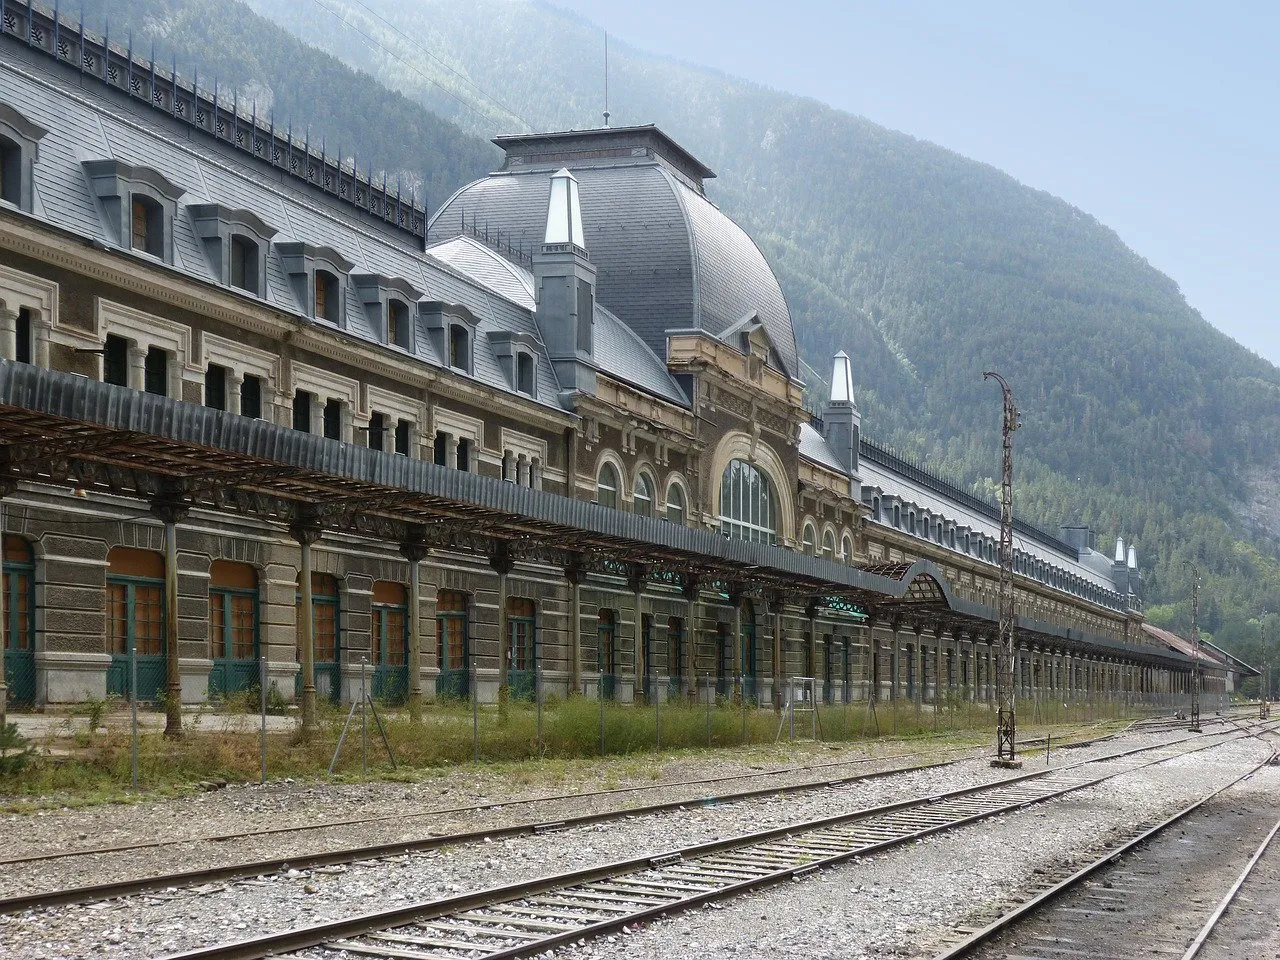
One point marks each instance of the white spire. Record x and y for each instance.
(1119, 549)
(564, 213)
(1133, 558)
(842, 380)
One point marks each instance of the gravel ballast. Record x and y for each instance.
(184, 919)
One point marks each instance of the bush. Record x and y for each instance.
(16, 751)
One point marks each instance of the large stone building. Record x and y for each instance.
(249, 397)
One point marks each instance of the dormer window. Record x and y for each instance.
(326, 294)
(318, 276)
(148, 226)
(524, 373)
(398, 323)
(244, 264)
(139, 204)
(451, 331)
(459, 347)
(18, 139)
(10, 172)
(236, 244)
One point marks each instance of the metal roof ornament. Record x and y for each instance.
(564, 210)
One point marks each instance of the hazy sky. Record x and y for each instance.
(1160, 119)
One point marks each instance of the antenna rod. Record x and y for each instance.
(606, 78)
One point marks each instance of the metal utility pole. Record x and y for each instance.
(1195, 642)
(1006, 718)
(1264, 707)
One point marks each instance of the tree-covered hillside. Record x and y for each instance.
(1140, 418)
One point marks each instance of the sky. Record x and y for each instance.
(1160, 119)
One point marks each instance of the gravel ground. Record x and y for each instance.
(904, 902)
(239, 808)
(175, 920)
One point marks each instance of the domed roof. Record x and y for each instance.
(667, 258)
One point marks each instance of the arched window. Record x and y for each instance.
(135, 620)
(675, 503)
(327, 305)
(643, 499)
(244, 264)
(524, 373)
(809, 540)
(828, 546)
(897, 517)
(607, 487)
(911, 522)
(747, 504)
(148, 225)
(459, 347)
(398, 323)
(846, 548)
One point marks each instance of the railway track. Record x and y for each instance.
(529, 918)
(1142, 894)
(42, 899)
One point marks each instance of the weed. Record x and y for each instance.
(16, 751)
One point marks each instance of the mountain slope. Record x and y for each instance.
(929, 268)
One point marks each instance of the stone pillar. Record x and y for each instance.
(502, 562)
(235, 383)
(137, 367)
(6, 487)
(778, 672)
(636, 582)
(415, 551)
(316, 409)
(450, 451)
(307, 532)
(171, 510)
(8, 334)
(737, 645)
(811, 611)
(574, 575)
(522, 471)
(690, 589)
(919, 669)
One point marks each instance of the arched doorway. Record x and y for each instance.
(233, 627)
(522, 647)
(135, 621)
(327, 636)
(390, 639)
(453, 636)
(607, 653)
(19, 585)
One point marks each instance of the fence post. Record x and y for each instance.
(742, 687)
(537, 696)
(364, 721)
(600, 700)
(262, 737)
(133, 696)
(710, 697)
(657, 715)
(475, 713)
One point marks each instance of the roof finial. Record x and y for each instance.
(1120, 550)
(1133, 558)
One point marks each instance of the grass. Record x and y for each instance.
(94, 766)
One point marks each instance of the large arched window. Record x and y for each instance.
(675, 503)
(808, 540)
(607, 486)
(828, 545)
(643, 497)
(748, 508)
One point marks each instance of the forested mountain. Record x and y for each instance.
(1140, 418)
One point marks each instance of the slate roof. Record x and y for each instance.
(619, 351)
(96, 122)
(668, 259)
(814, 447)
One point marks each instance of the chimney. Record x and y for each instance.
(1079, 537)
(1120, 569)
(841, 420)
(1135, 580)
(565, 285)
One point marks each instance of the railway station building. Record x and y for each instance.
(257, 403)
